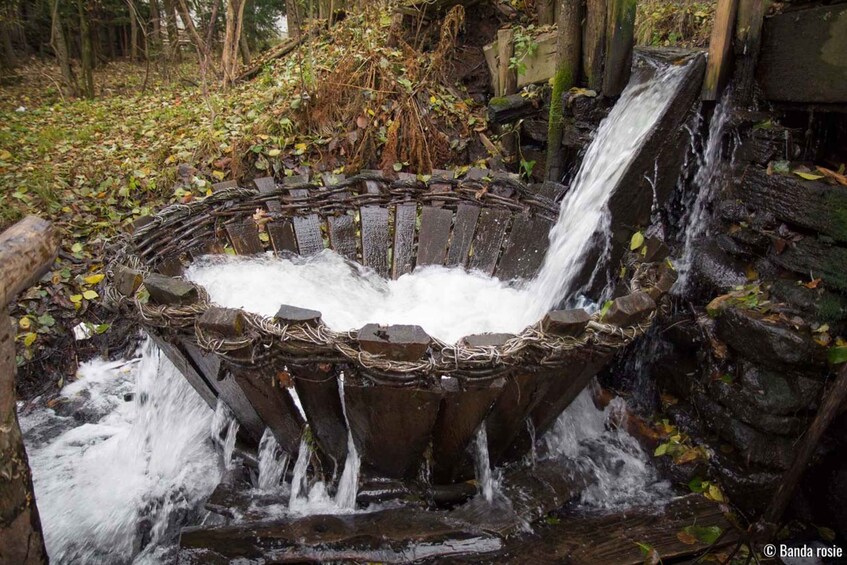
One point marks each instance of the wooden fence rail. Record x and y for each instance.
(27, 250)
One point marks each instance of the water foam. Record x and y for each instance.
(112, 489)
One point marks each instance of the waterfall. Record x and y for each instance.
(115, 488)
(711, 167)
(273, 462)
(482, 463)
(584, 210)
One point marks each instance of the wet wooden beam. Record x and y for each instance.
(170, 291)
(405, 218)
(620, 31)
(508, 417)
(391, 426)
(396, 342)
(524, 249)
(401, 535)
(272, 404)
(307, 227)
(199, 381)
(490, 230)
(374, 232)
(507, 77)
(434, 236)
(317, 389)
(748, 42)
(804, 56)
(244, 237)
(594, 43)
(630, 309)
(566, 322)
(463, 230)
(720, 45)
(459, 416)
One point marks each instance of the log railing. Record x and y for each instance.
(27, 250)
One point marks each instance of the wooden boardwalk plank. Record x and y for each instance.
(463, 230)
(525, 247)
(488, 239)
(434, 236)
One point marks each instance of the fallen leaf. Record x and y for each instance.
(90, 295)
(686, 538)
(637, 241)
(839, 178)
(812, 284)
(808, 176)
(94, 279)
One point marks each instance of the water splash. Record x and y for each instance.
(116, 488)
(273, 462)
(711, 168)
(482, 463)
(596, 441)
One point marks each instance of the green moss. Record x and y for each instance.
(563, 80)
(830, 308)
(498, 101)
(836, 200)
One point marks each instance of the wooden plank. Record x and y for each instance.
(507, 77)
(717, 69)
(391, 426)
(748, 42)
(620, 28)
(525, 247)
(488, 239)
(375, 238)
(374, 229)
(282, 236)
(803, 56)
(434, 236)
(274, 405)
(244, 237)
(508, 416)
(307, 228)
(266, 185)
(594, 43)
(318, 392)
(225, 184)
(342, 235)
(198, 381)
(405, 218)
(463, 230)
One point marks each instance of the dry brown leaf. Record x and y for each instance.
(813, 283)
(686, 538)
(840, 179)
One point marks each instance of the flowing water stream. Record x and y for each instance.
(118, 487)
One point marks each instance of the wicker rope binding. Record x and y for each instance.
(168, 235)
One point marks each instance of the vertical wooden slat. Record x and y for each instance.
(198, 381)
(266, 185)
(594, 43)
(244, 237)
(508, 78)
(463, 230)
(488, 239)
(620, 30)
(307, 227)
(434, 236)
(280, 230)
(318, 392)
(274, 406)
(342, 227)
(405, 217)
(717, 69)
(748, 41)
(375, 236)
(524, 249)
(522, 393)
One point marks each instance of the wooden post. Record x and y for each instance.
(508, 80)
(594, 43)
(719, 48)
(568, 63)
(620, 30)
(27, 250)
(546, 11)
(748, 40)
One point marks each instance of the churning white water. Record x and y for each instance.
(447, 303)
(118, 487)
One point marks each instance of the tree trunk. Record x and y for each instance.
(9, 59)
(620, 29)
(245, 50)
(568, 62)
(546, 12)
(87, 50)
(232, 38)
(155, 39)
(133, 27)
(60, 48)
(594, 44)
(174, 51)
(27, 250)
(292, 15)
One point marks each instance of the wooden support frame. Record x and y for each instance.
(717, 69)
